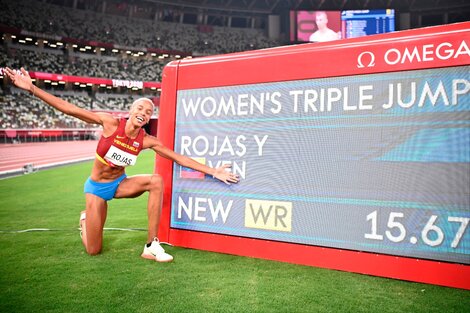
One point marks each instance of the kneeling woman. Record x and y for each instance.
(119, 146)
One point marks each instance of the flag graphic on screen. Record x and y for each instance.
(186, 172)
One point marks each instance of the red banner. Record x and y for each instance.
(90, 80)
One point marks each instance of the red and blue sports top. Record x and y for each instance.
(118, 149)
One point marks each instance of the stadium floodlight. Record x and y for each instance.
(21, 41)
(87, 47)
(28, 39)
(52, 45)
(102, 49)
(74, 46)
(59, 43)
(47, 81)
(115, 50)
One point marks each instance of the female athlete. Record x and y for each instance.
(121, 142)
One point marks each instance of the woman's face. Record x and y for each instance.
(141, 112)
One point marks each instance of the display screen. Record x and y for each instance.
(357, 23)
(376, 162)
(319, 26)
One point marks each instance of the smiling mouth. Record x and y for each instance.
(140, 119)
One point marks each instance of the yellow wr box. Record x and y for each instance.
(271, 215)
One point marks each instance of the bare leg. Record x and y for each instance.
(92, 232)
(154, 206)
(134, 186)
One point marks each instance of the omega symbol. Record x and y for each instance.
(360, 58)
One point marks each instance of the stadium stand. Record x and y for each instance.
(130, 32)
(46, 22)
(90, 65)
(20, 110)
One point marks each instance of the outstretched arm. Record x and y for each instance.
(24, 82)
(220, 172)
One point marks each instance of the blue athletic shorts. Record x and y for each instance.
(105, 191)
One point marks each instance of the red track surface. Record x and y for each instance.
(14, 156)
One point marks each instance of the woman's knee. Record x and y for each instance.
(156, 182)
(93, 249)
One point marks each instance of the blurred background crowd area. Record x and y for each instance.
(53, 37)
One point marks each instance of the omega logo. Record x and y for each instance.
(417, 54)
(366, 56)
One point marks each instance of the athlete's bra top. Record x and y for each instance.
(118, 149)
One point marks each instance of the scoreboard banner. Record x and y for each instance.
(377, 162)
(352, 155)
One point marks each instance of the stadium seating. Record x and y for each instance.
(91, 26)
(48, 60)
(22, 111)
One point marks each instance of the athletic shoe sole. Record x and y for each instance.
(152, 257)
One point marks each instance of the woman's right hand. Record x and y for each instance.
(21, 81)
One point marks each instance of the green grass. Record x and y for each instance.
(50, 271)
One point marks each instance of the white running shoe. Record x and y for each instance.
(156, 252)
(82, 227)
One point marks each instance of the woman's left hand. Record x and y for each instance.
(225, 176)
